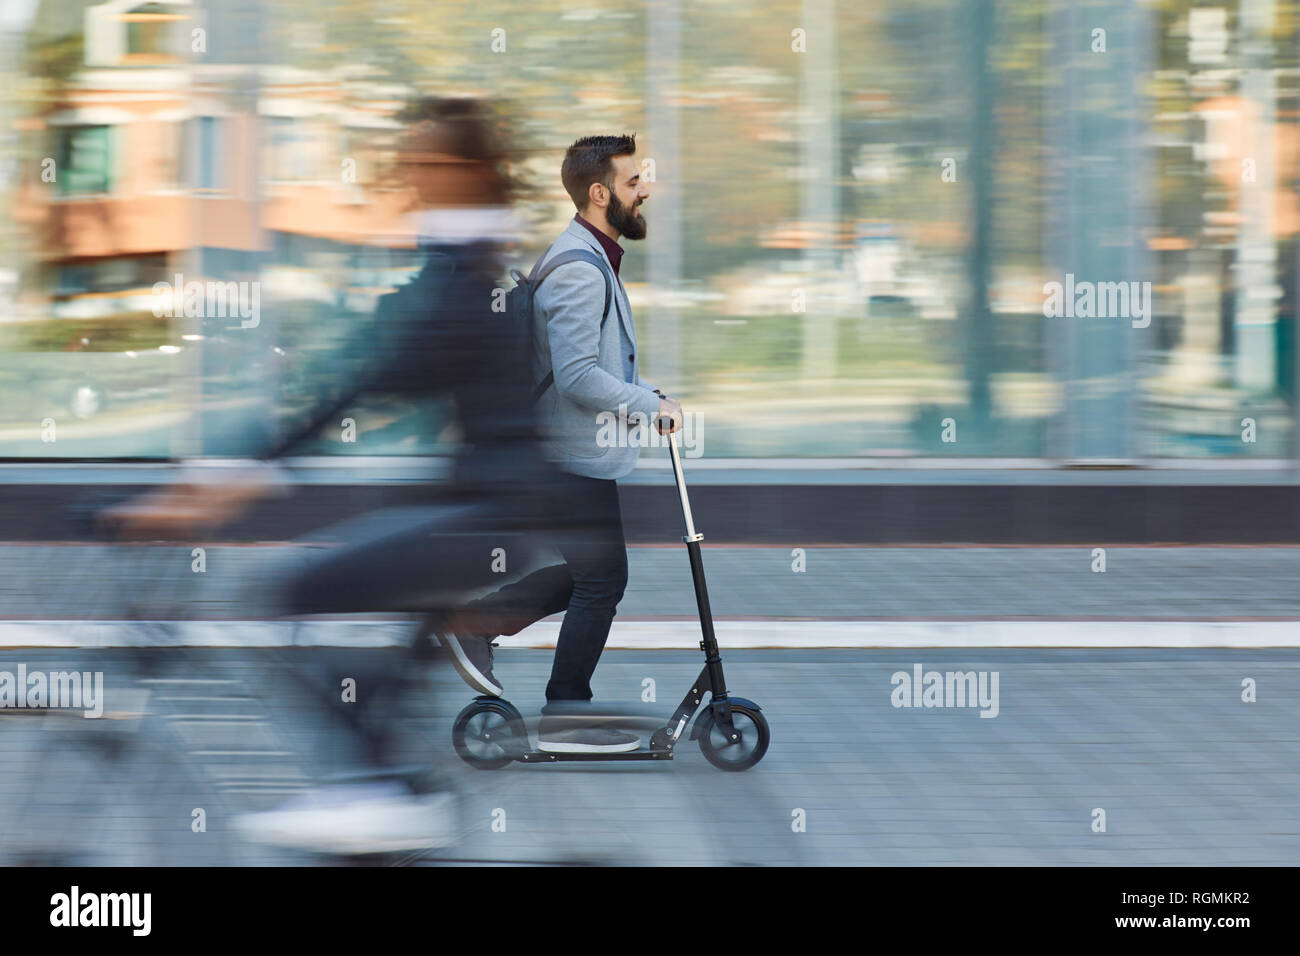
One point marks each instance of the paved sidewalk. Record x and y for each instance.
(55, 582)
(1186, 772)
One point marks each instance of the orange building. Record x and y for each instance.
(153, 150)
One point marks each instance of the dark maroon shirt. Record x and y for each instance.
(612, 248)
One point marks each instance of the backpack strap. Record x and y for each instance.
(539, 274)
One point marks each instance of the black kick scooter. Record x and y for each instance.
(733, 734)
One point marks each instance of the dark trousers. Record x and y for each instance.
(587, 587)
(417, 559)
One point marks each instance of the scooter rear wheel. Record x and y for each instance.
(749, 745)
(488, 734)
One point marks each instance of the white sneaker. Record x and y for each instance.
(471, 655)
(558, 737)
(356, 818)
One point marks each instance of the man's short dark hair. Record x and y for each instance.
(590, 160)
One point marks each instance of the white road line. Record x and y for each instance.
(685, 635)
(184, 680)
(241, 753)
(215, 718)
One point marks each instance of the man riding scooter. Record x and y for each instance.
(585, 357)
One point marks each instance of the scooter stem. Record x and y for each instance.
(709, 645)
(691, 534)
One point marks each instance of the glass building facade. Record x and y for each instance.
(898, 229)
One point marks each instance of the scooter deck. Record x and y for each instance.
(542, 756)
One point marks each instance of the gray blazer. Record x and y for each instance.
(588, 365)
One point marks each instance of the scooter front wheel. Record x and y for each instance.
(738, 751)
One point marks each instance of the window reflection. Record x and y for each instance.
(851, 234)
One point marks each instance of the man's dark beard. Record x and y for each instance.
(625, 219)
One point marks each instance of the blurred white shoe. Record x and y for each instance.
(356, 818)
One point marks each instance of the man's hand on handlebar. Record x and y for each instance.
(669, 418)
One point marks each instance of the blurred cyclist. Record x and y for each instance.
(437, 335)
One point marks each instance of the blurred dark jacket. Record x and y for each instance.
(439, 336)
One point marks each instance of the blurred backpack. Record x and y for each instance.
(519, 300)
